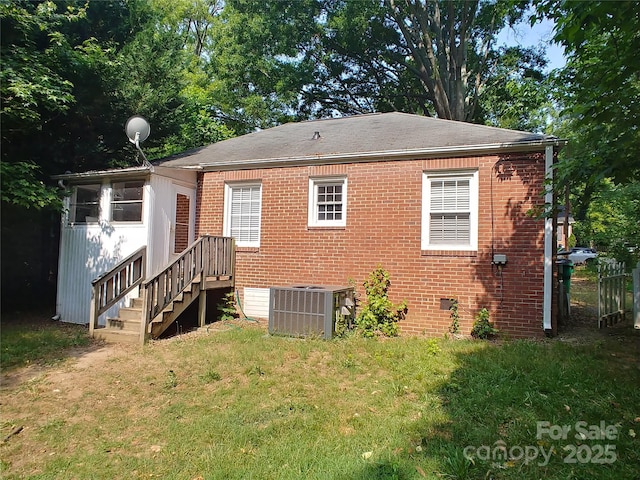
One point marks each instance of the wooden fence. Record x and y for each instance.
(611, 293)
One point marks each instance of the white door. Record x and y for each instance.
(182, 227)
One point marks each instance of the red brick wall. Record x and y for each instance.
(384, 208)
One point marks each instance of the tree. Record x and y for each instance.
(612, 221)
(33, 92)
(73, 72)
(450, 46)
(599, 88)
(345, 57)
(517, 94)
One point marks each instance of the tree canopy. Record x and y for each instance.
(599, 90)
(204, 70)
(598, 100)
(346, 57)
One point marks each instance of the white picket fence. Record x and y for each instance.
(611, 293)
(636, 296)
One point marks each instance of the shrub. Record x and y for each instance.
(227, 307)
(379, 316)
(454, 328)
(483, 327)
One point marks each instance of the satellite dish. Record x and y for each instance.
(137, 129)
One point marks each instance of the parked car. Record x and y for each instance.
(580, 255)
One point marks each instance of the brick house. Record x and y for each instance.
(434, 202)
(444, 206)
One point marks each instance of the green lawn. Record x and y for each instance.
(238, 404)
(30, 337)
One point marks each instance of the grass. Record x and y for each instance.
(238, 404)
(584, 287)
(25, 339)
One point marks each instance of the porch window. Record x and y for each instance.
(450, 211)
(328, 202)
(243, 204)
(126, 201)
(85, 205)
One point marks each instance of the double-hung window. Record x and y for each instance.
(85, 204)
(243, 205)
(328, 202)
(450, 211)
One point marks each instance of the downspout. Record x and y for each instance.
(548, 244)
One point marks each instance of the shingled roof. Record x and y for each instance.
(377, 136)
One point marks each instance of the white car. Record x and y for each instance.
(579, 255)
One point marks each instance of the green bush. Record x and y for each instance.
(483, 327)
(379, 316)
(227, 307)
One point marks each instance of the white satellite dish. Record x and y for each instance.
(138, 129)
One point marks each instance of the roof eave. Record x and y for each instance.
(439, 152)
(112, 173)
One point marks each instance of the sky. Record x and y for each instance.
(527, 36)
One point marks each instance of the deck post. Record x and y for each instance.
(202, 304)
(95, 306)
(146, 307)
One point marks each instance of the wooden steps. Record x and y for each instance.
(208, 263)
(170, 314)
(126, 327)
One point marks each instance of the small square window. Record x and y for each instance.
(327, 202)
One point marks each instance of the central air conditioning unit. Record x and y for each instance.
(304, 310)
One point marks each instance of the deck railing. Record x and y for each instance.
(207, 257)
(111, 287)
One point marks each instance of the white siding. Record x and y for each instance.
(256, 302)
(89, 250)
(162, 202)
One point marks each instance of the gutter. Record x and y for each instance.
(548, 246)
(411, 154)
(113, 173)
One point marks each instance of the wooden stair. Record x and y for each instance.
(126, 327)
(171, 313)
(209, 263)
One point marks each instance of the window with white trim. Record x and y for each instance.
(126, 201)
(450, 211)
(328, 202)
(85, 204)
(243, 205)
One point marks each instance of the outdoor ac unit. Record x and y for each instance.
(304, 310)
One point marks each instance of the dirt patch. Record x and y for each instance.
(582, 324)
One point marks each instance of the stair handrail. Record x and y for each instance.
(208, 256)
(112, 286)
